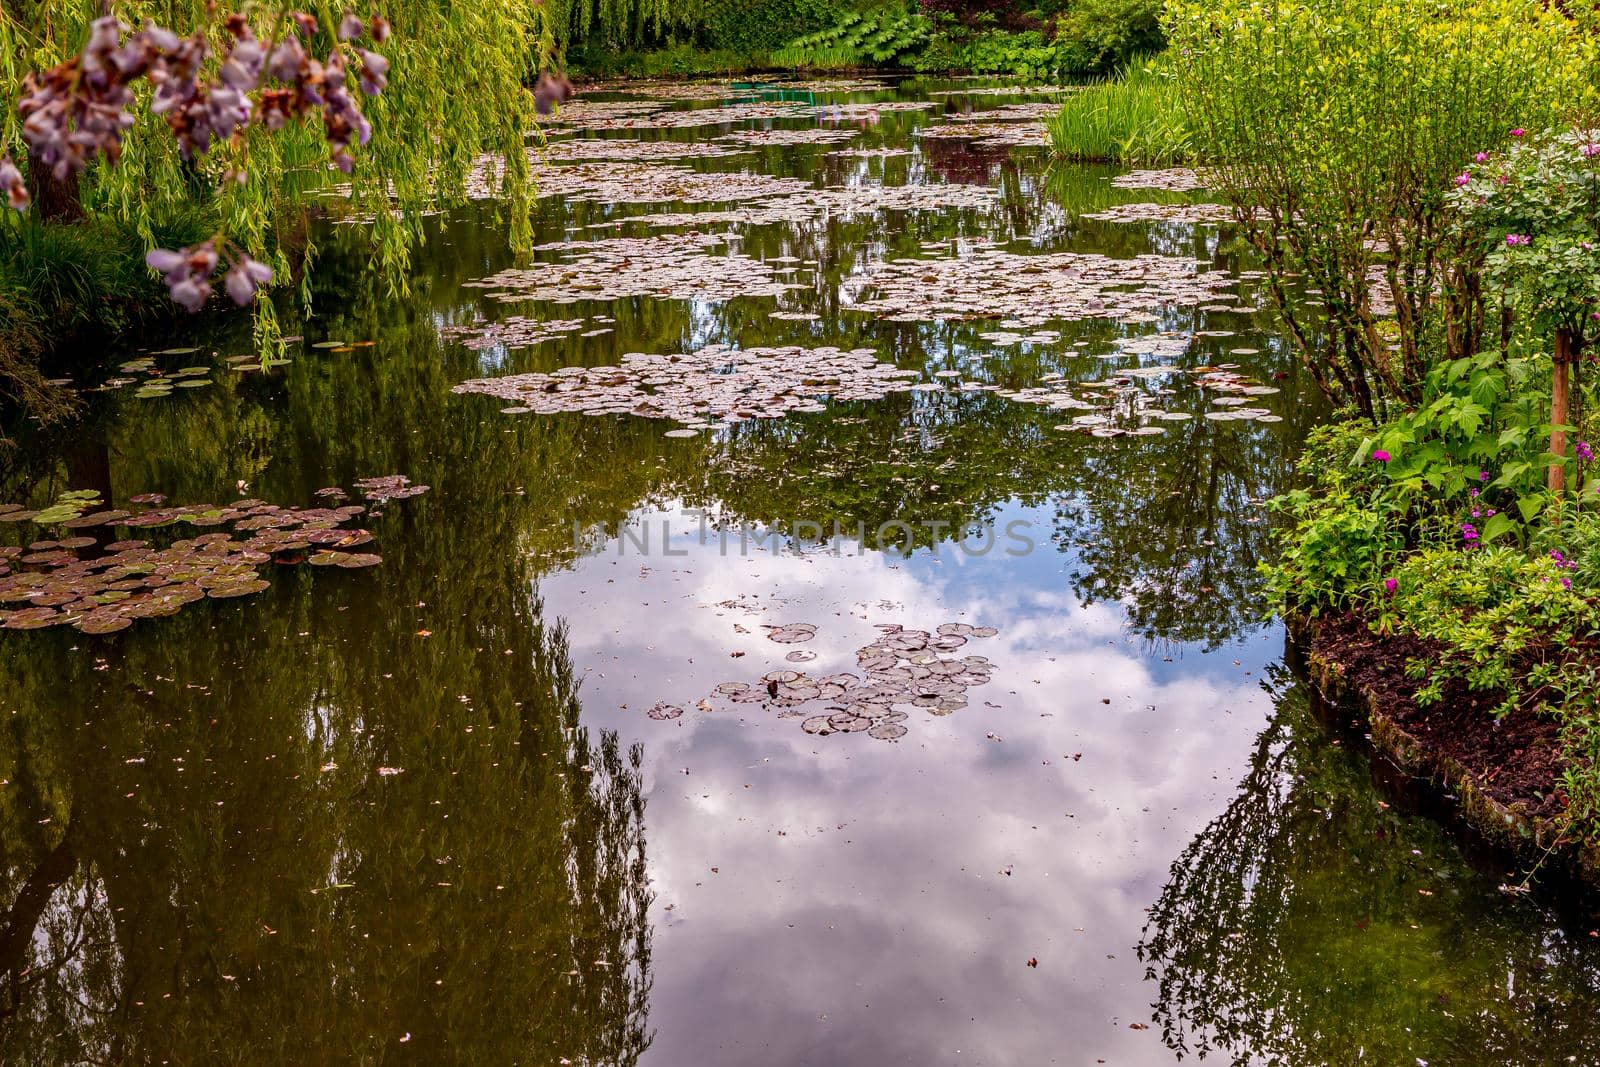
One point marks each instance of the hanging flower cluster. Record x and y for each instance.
(80, 109)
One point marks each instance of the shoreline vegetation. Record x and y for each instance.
(1439, 277)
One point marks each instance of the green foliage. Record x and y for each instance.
(880, 35)
(1534, 208)
(1092, 37)
(759, 27)
(1341, 534)
(1505, 623)
(1335, 126)
(76, 281)
(1406, 528)
(1134, 118)
(1476, 438)
(1099, 36)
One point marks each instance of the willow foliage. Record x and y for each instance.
(1335, 128)
(622, 23)
(457, 92)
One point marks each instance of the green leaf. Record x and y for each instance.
(1497, 527)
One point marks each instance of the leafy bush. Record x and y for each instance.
(1099, 36)
(1131, 119)
(1335, 127)
(1341, 535)
(1536, 208)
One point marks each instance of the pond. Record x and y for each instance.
(829, 634)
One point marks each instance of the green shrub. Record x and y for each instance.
(1100, 36)
(1336, 126)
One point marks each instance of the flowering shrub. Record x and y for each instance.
(1533, 204)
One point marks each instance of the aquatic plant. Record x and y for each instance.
(901, 668)
(49, 583)
(1133, 118)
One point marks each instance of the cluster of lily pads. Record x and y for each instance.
(1234, 393)
(1008, 90)
(635, 183)
(675, 266)
(713, 386)
(579, 112)
(726, 115)
(519, 331)
(869, 153)
(104, 582)
(150, 382)
(1007, 113)
(803, 135)
(1193, 214)
(1034, 289)
(1172, 180)
(626, 149)
(902, 668)
(989, 133)
(724, 89)
(816, 204)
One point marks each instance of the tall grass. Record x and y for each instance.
(1132, 118)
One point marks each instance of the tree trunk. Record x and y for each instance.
(1560, 397)
(54, 201)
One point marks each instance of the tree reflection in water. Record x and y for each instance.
(207, 855)
(1311, 923)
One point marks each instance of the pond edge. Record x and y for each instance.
(1533, 843)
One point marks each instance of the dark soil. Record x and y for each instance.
(1515, 760)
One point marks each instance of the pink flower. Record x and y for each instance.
(1390, 584)
(1590, 151)
(1515, 239)
(1481, 157)
(1464, 178)
(1381, 456)
(1518, 132)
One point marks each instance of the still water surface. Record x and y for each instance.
(420, 813)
